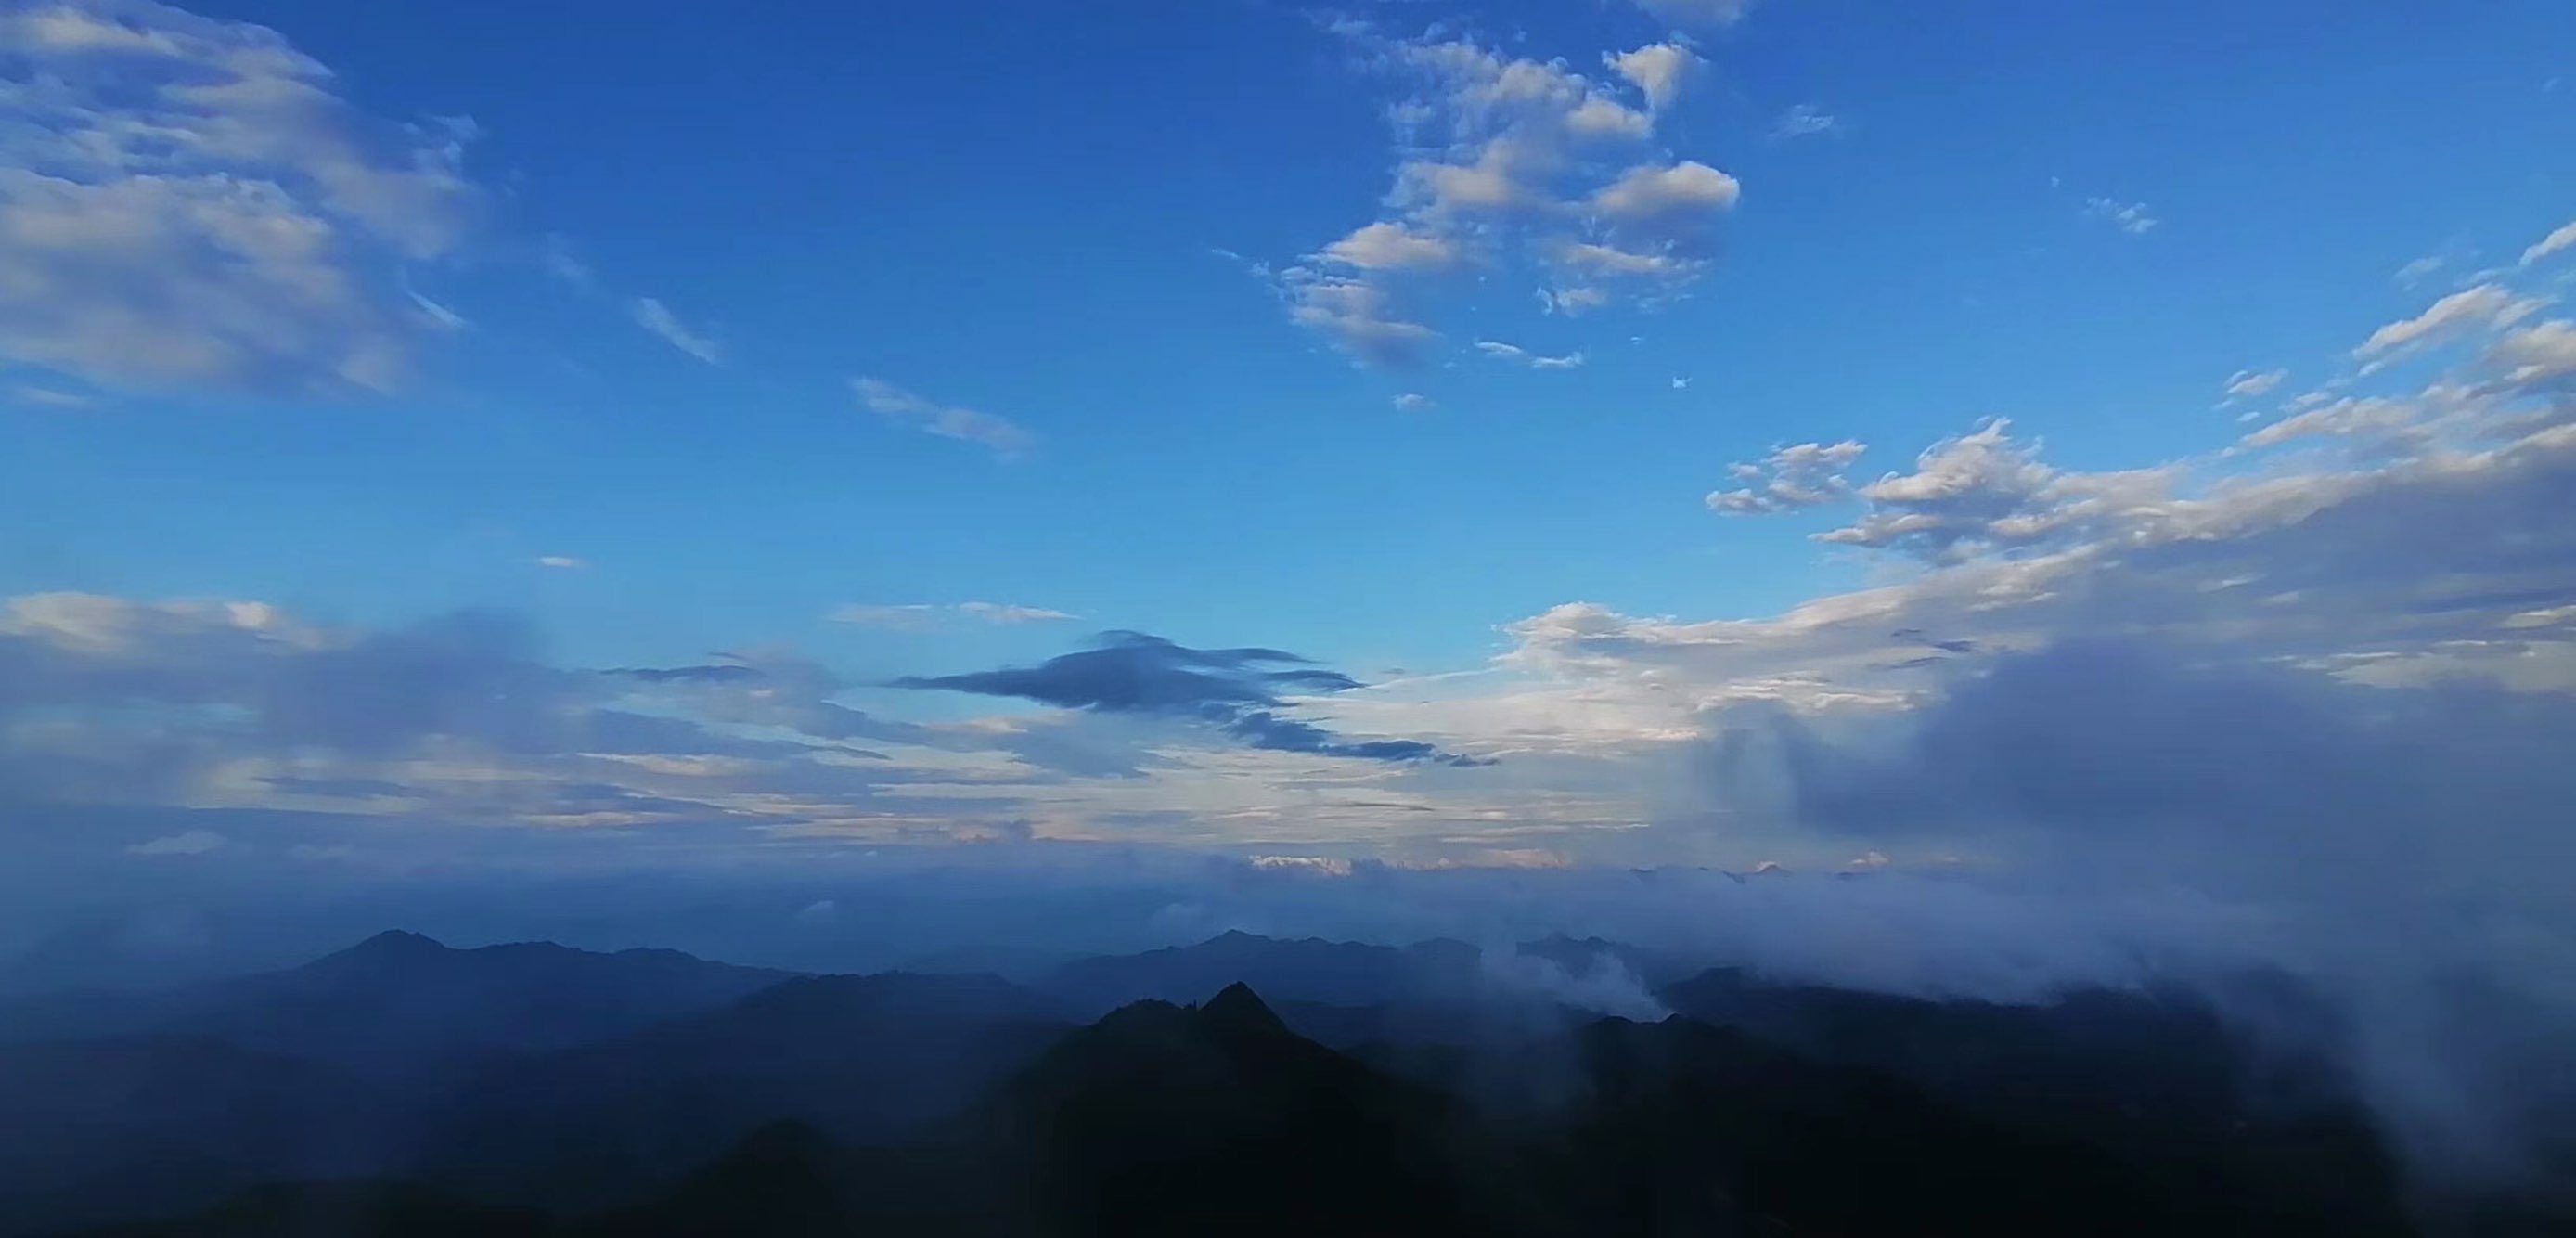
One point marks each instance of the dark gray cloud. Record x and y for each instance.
(722, 672)
(1264, 729)
(2381, 840)
(1239, 690)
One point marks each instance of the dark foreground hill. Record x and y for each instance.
(1173, 1120)
(1430, 1090)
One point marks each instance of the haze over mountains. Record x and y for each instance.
(1241, 1084)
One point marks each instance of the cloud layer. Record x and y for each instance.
(186, 203)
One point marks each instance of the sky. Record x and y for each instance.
(1829, 433)
(692, 475)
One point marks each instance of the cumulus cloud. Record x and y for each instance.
(2131, 217)
(1005, 437)
(1806, 475)
(1985, 491)
(1500, 164)
(659, 322)
(1657, 192)
(1241, 691)
(1415, 402)
(186, 203)
(563, 563)
(1659, 70)
(1385, 246)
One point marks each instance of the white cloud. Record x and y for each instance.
(1497, 157)
(2536, 356)
(1699, 12)
(2419, 270)
(1501, 351)
(1806, 475)
(1573, 302)
(1984, 492)
(563, 563)
(193, 842)
(1804, 120)
(185, 203)
(439, 315)
(2486, 305)
(2347, 418)
(1005, 437)
(925, 616)
(658, 320)
(1415, 402)
(2254, 384)
(48, 397)
(2559, 241)
(1359, 316)
(1495, 183)
(1653, 192)
(1385, 246)
(1659, 71)
(2131, 217)
(1607, 261)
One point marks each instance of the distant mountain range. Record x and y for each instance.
(403, 1087)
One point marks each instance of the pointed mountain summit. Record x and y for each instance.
(1237, 1009)
(390, 945)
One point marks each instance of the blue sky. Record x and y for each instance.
(1420, 340)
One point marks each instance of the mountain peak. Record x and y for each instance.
(1238, 1008)
(398, 941)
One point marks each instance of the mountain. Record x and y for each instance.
(2155, 1077)
(860, 1058)
(1310, 970)
(400, 1003)
(1168, 1119)
(344, 1210)
(1165, 1119)
(119, 1126)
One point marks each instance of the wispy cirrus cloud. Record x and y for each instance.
(1006, 438)
(661, 323)
(924, 617)
(2133, 218)
(1516, 354)
(1805, 120)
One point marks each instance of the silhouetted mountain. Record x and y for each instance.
(94, 1129)
(961, 1105)
(1164, 1119)
(863, 1058)
(346, 1210)
(1310, 970)
(2156, 1077)
(401, 1003)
